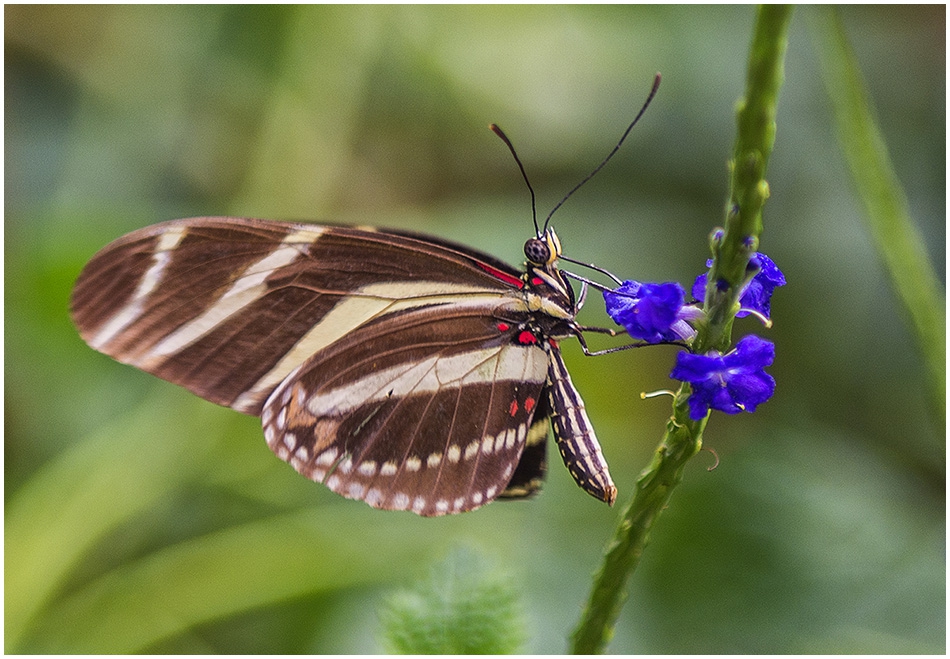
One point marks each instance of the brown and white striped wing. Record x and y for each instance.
(228, 307)
(428, 410)
(402, 370)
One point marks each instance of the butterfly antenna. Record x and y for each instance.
(504, 138)
(597, 268)
(656, 85)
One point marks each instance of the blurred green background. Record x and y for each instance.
(139, 518)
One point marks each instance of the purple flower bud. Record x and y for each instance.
(757, 295)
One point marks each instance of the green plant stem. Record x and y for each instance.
(755, 137)
(897, 239)
(654, 488)
(683, 437)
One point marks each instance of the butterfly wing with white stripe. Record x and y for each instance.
(228, 307)
(427, 410)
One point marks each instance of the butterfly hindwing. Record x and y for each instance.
(533, 466)
(427, 410)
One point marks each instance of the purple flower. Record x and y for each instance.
(731, 383)
(757, 294)
(651, 312)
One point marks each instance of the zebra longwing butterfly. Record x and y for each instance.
(402, 370)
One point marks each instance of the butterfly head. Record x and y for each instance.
(543, 250)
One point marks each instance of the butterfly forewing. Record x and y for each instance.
(228, 307)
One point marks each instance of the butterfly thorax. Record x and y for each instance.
(547, 293)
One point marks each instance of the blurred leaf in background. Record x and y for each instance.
(464, 607)
(141, 519)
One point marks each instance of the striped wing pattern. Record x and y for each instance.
(404, 371)
(435, 424)
(228, 307)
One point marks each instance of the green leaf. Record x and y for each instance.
(897, 238)
(85, 492)
(221, 574)
(462, 608)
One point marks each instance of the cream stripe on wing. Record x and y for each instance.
(513, 362)
(248, 287)
(352, 311)
(161, 257)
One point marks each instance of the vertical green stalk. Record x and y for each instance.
(683, 436)
(897, 239)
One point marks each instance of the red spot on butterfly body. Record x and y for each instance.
(537, 281)
(503, 276)
(514, 408)
(527, 338)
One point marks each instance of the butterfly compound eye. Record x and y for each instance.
(537, 251)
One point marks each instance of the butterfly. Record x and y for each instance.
(395, 368)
